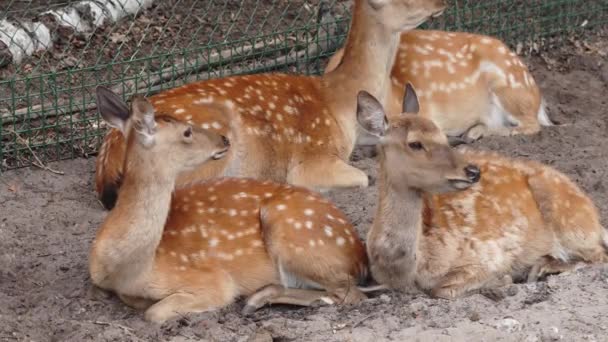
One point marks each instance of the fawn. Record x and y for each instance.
(470, 85)
(286, 128)
(452, 221)
(200, 247)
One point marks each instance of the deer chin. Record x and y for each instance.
(220, 154)
(460, 184)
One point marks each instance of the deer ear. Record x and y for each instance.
(112, 108)
(411, 104)
(143, 116)
(370, 114)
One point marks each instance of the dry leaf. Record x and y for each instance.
(118, 38)
(13, 188)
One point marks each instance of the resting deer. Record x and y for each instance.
(200, 247)
(454, 221)
(286, 128)
(470, 85)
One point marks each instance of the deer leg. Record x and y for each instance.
(327, 172)
(97, 293)
(457, 140)
(277, 294)
(460, 282)
(475, 133)
(136, 302)
(217, 290)
(183, 303)
(534, 273)
(306, 274)
(548, 266)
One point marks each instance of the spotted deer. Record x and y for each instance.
(453, 221)
(470, 85)
(287, 128)
(206, 243)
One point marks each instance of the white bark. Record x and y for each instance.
(23, 38)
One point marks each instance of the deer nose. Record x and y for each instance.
(473, 173)
(225, 141)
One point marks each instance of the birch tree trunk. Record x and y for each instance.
(21, 38)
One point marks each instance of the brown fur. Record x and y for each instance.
(436, 63)
(199, 247)
(290, 128)
(441, 232)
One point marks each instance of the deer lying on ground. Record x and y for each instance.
(286, 128)
(200, 247)
(454, 221)
(470, 85)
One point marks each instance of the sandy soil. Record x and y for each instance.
(47, 222)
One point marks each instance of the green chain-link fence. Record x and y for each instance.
(54, 52)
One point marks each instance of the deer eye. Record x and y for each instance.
(188, 132)
(416, 145)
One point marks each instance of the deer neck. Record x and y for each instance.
(369, 55)
(134, 228)
(394, 237)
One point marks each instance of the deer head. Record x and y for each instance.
(177, 143)
(415, 153)
(418, 11)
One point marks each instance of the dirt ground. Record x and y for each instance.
(47, 222)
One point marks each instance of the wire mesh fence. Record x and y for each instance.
(54, 52)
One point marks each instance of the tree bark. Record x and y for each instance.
(21, 38)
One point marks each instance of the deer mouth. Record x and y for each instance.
(461, 184)
(219, 155)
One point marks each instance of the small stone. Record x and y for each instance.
(363, 334)
(474, 316)
(552, 334)
(385, 298)
(512, 290)
(418, 307)
(509, 325)
(590, 338)
(261, 335)
(532, 338)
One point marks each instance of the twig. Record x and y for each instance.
(36, 163)
(49, 254)
(127, 329)
(357, 323)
